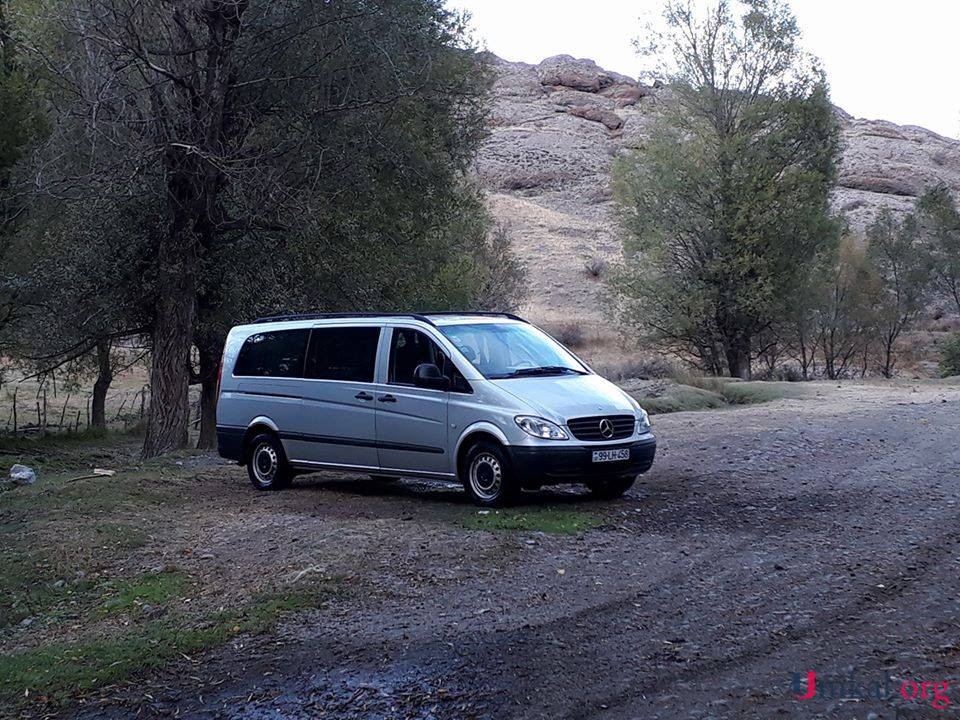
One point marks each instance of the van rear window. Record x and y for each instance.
(343, 353)
(279, 353)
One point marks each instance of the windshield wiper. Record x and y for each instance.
(545, 370)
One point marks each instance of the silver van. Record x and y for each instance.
(484, 398)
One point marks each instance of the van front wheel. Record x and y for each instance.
(487, 476)
(267, 465)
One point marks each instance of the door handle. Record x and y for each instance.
(363, 396)
(387, 398)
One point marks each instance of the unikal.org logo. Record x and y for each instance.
(809, 685)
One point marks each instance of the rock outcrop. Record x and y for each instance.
(556, 128)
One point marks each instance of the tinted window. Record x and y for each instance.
(343, 353)
(410, 348)
(273, 354)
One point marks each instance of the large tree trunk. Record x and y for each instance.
(101, 386)
(738, 358)
(210, 350)
(169, 416)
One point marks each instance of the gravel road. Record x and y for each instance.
(815, 535)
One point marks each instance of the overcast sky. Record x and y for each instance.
(897, 61)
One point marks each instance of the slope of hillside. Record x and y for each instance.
(555, 129)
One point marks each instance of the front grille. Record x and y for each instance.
(588, 428)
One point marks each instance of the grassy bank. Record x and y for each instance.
(695, 393)
(95, 588)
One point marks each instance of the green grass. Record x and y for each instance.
(547, 520)
(63, 545)
(751, 393)
(150, 588)
(55, 672)
(682, 397)
(60, 531)
(708, 393)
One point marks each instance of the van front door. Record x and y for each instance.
(412, 421)
(339, 406)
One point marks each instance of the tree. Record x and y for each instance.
(78, 272)
(21, 124)
(304, 155)
(939, 215)
(904, 268)
(845, 325)
(727, 207)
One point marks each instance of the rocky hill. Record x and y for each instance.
(555, 129)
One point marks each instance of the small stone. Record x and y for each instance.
(22, 475)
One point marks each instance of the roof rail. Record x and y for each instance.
(333, 316)
(416, 316)
(480, 313)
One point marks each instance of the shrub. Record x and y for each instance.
(644, 368)
(595, 267)
(950, 356)
(783, 373)
(571, 335)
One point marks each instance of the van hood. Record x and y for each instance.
(561, 397)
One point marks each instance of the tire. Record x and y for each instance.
(611, 489)
(267, 464)
(487, 476)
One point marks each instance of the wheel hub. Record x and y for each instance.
(265, 462)
(486, 476)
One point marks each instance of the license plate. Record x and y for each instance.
(611, 455)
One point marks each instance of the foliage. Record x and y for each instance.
(305, 156)
(941, 220)
(844, 327)
(950, 356)
(904, 268)
(569, 334)
(727, 208)
(21, 124)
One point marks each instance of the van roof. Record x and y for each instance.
(431, 318)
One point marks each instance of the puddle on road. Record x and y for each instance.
(360, 694)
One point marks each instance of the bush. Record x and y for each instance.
(596, 267)
(644, 368)
(783, 373)
(950, 356)
(571, 335)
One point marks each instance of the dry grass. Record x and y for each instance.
(55, 406)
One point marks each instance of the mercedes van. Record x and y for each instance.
(486, 399)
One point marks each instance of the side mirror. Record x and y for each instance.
(428, 375)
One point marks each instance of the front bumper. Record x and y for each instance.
(544, 465)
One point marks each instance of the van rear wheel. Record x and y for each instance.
(267, 464)
(487, 476)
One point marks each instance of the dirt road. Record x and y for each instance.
(817, 535)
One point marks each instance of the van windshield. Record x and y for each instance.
(511, 350)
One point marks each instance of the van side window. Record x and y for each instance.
(279, 353)
(410, 348)
(343, 353)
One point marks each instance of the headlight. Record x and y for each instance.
(540, 428)
(643, 421)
